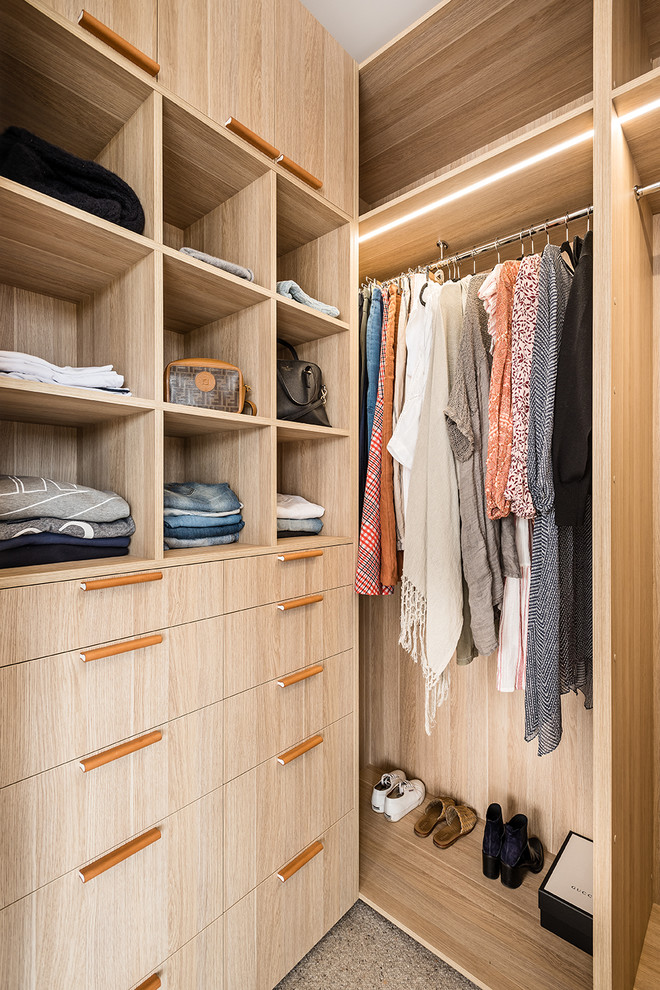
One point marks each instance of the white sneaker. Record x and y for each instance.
(405, 797)
(383, 787)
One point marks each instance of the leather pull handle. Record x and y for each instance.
(299, 602)
(301, 675)
(299, 750)
(123, 749)
(299, 171)
(299, 555)
(152, 983)
(114, 40)
(99, 866)
(300, 860)
(117, 648)
(119, 582)
(251, 137)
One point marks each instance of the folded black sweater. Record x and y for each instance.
(27, 159)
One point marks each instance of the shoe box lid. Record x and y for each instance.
(566, 894)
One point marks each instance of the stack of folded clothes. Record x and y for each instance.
(44, 521)
(200, 515)
(227, 266)
(28, 367)
(291, 290)
(33, 162)
(298, 517)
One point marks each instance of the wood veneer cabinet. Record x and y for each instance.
(123, 686)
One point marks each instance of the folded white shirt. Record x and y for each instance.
(297, 507)
(32, 368)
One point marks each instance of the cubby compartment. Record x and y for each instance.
(316, 468)
(237, 452)
(313, 249)
(68, 306)
(116, 454)
(217, 197)
(64, 91)
(332, 355)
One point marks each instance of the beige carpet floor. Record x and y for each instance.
(364, 951)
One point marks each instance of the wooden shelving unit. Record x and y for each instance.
(84, 291)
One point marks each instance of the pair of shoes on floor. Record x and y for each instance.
(394, 796)
(507, 851)
(447, 820)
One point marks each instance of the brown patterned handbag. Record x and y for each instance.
(208, 383)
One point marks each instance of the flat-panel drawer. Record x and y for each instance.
(275, 715)
(269, 931)
(278, 807)
(111, 930)
(56, 708)
(52, 821)
(52, 618)
(262, 642)
(252, 581)
(198, 965)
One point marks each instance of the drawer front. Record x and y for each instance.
(252, 581)
(274, 810)
(53, 618)
(110, 931)
(199, 965)
(53, 821)
(275, 715)
(263, 643)
(57, 708)
(268, 932)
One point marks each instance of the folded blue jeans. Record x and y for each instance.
(188, 521)
(202, 532)
(196, 496)
(171, 543)
(302, 526)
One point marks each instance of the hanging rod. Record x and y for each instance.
(645, 190)
(521, 235)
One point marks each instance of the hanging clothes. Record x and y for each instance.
(388, 565)
(373, 340)
(365, 302)
(397, 406)
(542, 690)
(432, 595)
(523, 327)
(512, 651)
(367, 575)
(488, 545)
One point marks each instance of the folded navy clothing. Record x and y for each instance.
(50, 539)
(202, 532)
(33, 162)
(56, 553)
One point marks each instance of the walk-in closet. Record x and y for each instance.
(252, 725)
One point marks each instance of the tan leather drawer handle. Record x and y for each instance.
(116, 648)
(251, 137)
(303, 747)
(298, 170)
(123, 749)
(114, 40)
(153, 983)
(301, 675)
(87, 873)
(299, 555)
(300, 860)
(299, 602)
(119, 582)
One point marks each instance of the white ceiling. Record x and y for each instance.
(364, 26)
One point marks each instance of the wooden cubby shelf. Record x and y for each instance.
(189, 421)
(297, 323)
(58, 405)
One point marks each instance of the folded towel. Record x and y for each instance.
(297, 507)
(301, 527)
(27, 497)
(211, 541)
(55, 554)
(50, 539)
(227, 266)
(37, 369)
(292, 290)
(195, 521)
(202, 532)
(67, 527)
(27, 159)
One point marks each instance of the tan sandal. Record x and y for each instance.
(434, 812)
(460, 820)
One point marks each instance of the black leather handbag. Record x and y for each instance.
(301, 394)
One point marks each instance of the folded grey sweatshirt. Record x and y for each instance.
(67, 527)
(28, 497)
(292, 290)
(227, 266)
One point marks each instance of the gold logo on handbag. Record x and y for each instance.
(209, 384)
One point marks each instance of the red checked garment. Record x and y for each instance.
(367, 573)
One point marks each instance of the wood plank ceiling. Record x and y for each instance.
(522, 60)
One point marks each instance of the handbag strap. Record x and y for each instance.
(307, 408)
(285, 343)
(284, 385)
